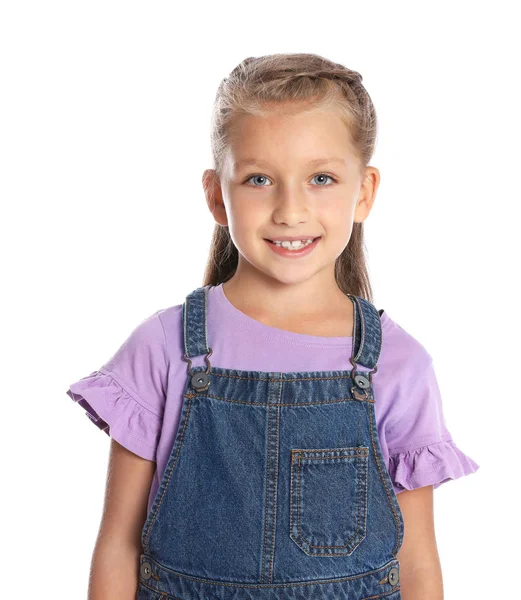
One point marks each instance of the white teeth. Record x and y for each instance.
(296, 244)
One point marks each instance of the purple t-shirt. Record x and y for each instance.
(136, 396)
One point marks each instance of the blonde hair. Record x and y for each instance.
(308, 82)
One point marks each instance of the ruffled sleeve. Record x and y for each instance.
(433, 464)
(420, 447)
(126, 397)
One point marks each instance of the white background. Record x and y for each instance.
(104, 136)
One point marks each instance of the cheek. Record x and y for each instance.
(336, 215)
(247, 215)
(244, 222)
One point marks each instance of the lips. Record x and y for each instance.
(296, 253)
(292, 238)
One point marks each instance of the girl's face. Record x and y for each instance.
(291, 175)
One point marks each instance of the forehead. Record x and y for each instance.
(304, 139)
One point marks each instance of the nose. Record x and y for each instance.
(291, 207)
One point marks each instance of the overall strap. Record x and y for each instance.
(367, 332)
(194, 322)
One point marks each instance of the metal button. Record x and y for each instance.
(362, 382)
(394, 576)
(200, 381)
(146, 570)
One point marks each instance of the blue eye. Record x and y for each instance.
(265, 178)
(325, 175)
(252, 176)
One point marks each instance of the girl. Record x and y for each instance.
(275, 435)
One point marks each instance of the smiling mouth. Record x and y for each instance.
(295, 251)
(295, 240)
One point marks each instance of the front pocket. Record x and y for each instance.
(328, 499)
(146, 593)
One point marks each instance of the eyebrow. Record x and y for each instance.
(316, 161)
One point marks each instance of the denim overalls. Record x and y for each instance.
(276, 487)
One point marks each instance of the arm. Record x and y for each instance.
(420, 568)
(115, 562)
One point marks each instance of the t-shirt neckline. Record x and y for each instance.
(237, 317)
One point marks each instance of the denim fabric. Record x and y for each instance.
(276, 487)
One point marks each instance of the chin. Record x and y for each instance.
(291, 276)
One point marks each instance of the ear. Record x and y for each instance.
(367, 196)
(214, 197)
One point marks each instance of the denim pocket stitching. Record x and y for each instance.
(158, 595)
(360, 454)
(384, 595)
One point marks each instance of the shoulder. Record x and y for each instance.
(158, 327)
(147, 336)
(407, 381)
(171, 322)
(401, 351)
